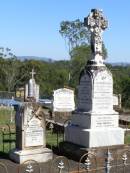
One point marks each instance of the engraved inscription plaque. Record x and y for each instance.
(104, 121)
(34, 133)
(85, 93)
(63, 100)
(103, 91)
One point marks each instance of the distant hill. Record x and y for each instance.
(22, 58)
(124, 64)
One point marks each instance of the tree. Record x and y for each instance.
(79, 57)
(10, 72)
(74, 33)
(78, 39)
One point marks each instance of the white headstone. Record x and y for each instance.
(96, 91)
(34, 134)
(30, 134)
(63, 100)
(117, 101)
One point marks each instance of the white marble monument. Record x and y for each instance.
(31, 128)
(63, 100)
(95, 123)
(30, 135)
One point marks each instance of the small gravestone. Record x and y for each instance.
(117, 101)
(30, 133)
(63, 103)
(63, 100)
(95, 123)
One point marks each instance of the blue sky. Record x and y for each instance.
(31, 27)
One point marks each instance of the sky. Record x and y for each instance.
(31, 27)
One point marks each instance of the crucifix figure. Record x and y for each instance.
(96, 23)
(33, 73)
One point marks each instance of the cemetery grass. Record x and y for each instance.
(127, 139)
(5, 115)
(53, 139)
(6, 145)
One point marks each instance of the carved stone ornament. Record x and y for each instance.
(96, 23)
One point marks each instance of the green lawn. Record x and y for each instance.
(6, 114)
(51, 140)
(5, 118)
(127, 139)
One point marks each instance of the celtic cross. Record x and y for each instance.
(96, 23)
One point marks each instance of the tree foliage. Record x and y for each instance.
(74, 33)
(54, 75)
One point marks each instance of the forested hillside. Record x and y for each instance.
(50, 76)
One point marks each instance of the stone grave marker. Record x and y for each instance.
(95, 123)
(30, 131)
(63, 100)
(117, 101)
(63, 104)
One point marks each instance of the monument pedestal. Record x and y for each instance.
(95, 123)
(39, 155)
(94, 137)
(95, 129)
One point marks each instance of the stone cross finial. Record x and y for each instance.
(33, 73)
(96, 23)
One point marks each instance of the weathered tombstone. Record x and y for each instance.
(63, 103)
(30, 133)
(95, 123)
(116, 101)
(63, 100)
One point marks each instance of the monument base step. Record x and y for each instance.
(94, 137)
(39, 155)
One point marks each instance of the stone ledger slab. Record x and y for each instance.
(39, 155)
(94, 137)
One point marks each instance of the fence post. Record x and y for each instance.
(29, 167)
(51, 127)
(124, 158)
(87, 164)
(61, 166)
(109, 158)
